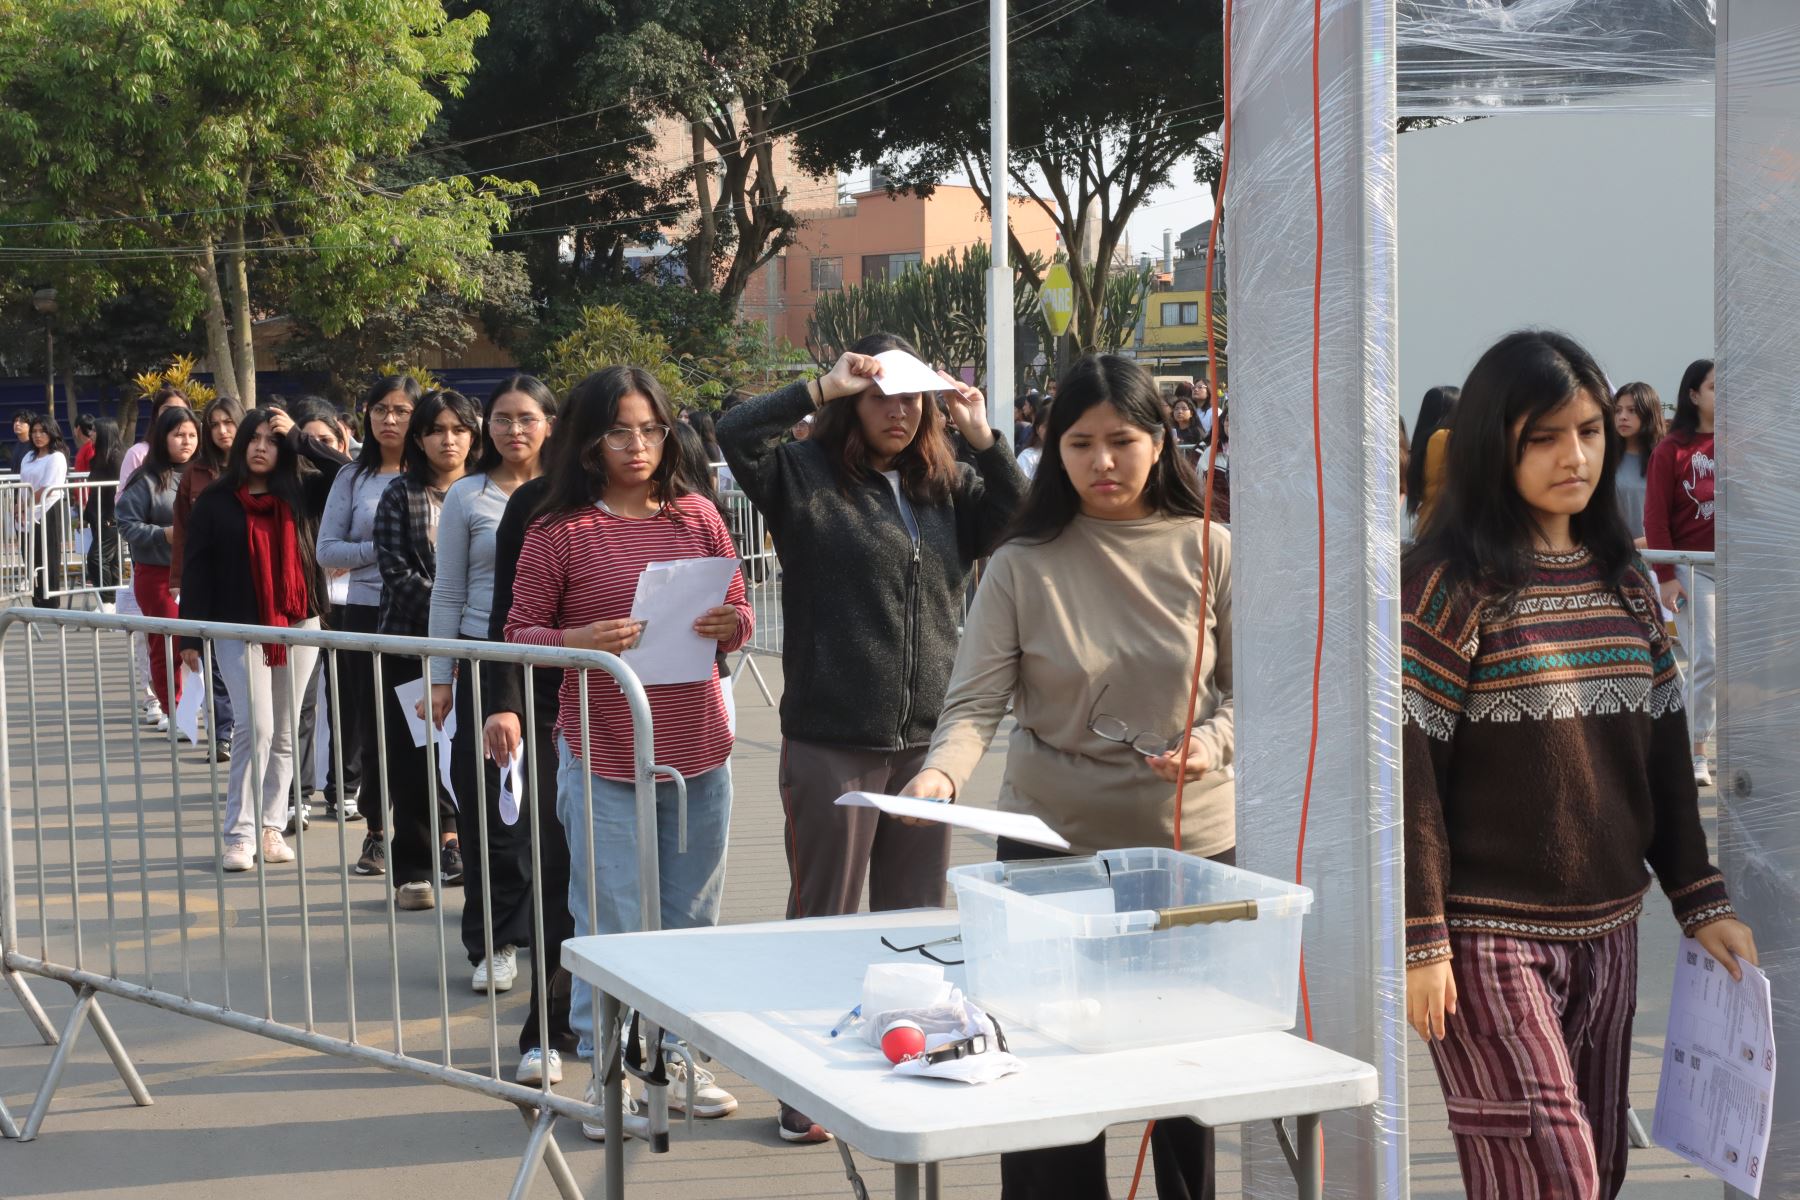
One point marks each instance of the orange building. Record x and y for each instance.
(876, 236)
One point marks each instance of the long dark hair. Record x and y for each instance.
(1480, 527)
(696, 468)
(577, 466)
(1052, 502)
(1653, 426)
(1687, 414)
(703, 425)
(368, 459)
(48, 425)
(1434, 414)
(209, 455)
(157, 463)
(525, 385)
(285, 482)
(927, 466)
(108, 452)
(431, 406)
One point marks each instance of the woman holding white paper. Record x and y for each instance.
(516, 422)
(1085, 625)
(615, 504)
(443, 427)
(250, 560)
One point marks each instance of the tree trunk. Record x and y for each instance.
(243, 347)
(218, 337)
(700, 250)
(68, 374)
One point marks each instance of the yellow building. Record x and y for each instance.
(1174, 334)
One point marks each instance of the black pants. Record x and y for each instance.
(410, 794)
(1181, 1149)
(347, 736)
(509, 861)
(103, 551)
(47, 560)
(362, 708)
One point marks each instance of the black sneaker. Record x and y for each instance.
(222, 753)
(374, 858)
(450, 864)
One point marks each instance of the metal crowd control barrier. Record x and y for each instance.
(82, 865)
(15, 537)
(762, 576)
(1689, 560)
(79, 508)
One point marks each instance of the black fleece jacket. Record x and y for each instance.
(870, 620)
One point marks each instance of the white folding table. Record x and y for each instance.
(761, 999)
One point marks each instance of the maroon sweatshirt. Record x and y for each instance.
(1678, 496)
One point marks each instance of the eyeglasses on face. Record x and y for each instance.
(1114, 729)
(508, 424)
(384, 413)
(621, 438)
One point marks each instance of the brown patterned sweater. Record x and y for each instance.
(1546, 761)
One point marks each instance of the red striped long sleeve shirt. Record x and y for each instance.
(575, 571)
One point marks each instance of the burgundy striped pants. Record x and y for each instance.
(1535, 1063)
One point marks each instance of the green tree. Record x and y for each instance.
(1087, 156)
(607, 335)
(940, 307)
(231, 134)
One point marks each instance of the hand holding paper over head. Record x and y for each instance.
(849, 376)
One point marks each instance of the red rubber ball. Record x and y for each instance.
(902, 1040)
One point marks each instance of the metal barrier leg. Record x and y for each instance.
(29, 1002)
(748, 662)
(115, 1050)
(534, 1149)
(1634, 1129)
(87, 1009)
(8, 1127)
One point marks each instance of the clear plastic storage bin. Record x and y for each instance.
(1131, 947)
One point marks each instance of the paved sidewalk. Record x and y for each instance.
(235, 1114)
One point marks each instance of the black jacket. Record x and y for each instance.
(503, 684)
(217, 583)
(871, 621)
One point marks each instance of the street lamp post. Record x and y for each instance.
(44, 300)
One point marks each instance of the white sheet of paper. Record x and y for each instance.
(409, 695)
(1718, 1074)
(902, 372)
(187, 709)
(512, 782)
(671, 596)
(1021, 827)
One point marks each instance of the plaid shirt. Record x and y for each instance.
(407, 555)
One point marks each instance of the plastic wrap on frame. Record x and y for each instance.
(1469, 57)
(1353, 832)
(1757, 258)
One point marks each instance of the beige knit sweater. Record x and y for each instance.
(1108, 604)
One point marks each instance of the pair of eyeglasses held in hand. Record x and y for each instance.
(1113, 729)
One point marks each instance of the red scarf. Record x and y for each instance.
(275, 569)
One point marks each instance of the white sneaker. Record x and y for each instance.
(239, 855)
(1702, 771)
(275, 848)
(150, 712)
(161, 724)
(531, 1068)
(710, 1100)
(636, 1124)
(416, 896)
(504, 967)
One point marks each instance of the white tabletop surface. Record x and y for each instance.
(761, 999)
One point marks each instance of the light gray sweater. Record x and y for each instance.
(463, 591)
(347, 531)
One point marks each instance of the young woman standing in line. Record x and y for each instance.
(516, 422)
(103, 566)
(877, 526)
(1085, 625)
(219, 425)
(1678, 515)
(615, 504)
(46, 466)
(146, 515)
(1546, 765)
(443, 430)
(1638, 416)
(347, 543)
(250, 539)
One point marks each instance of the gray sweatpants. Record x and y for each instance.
(264, 733)
(831, 849)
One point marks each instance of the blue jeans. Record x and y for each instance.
(692, 883)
